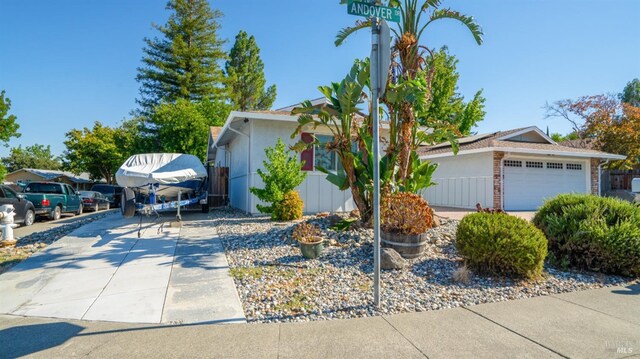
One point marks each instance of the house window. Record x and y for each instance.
(532, 164)
(322, 156)
(512, 163)
(554, 165)
(574, 166)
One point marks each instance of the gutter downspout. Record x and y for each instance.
(600, 176)
(248, 204)
(502, 181)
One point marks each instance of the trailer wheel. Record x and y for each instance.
(128, 203)
(205, 208)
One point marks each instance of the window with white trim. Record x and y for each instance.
(574, 166)
(322, 156)
(534, 164)
(555, 165)
(512, 163)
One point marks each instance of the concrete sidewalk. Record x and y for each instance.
(603, 323)
(103, 271)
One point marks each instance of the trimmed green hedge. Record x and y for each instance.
(501, 244)
(594, 233)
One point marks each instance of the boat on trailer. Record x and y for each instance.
(155, 182)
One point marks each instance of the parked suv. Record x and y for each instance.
(23, 208)
(111, 191)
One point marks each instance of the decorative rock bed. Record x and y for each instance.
(277, 284)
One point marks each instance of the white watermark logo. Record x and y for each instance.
(621, 346)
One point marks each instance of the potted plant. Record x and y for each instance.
(311, 243)
(404, 221)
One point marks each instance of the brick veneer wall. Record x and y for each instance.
(497, 180)
(595, 185)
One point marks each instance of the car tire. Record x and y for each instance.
(29, 217)
(55, 213)
(128, 203)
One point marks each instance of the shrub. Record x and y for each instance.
(306, 233)
(592, 233)
(283, 174)
(405, 213)
(501, 244)
(289, 208)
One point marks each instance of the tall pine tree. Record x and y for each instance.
(245, 76)
(184, 62)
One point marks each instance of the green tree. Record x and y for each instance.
(36, 156)
(446, 103)
(245, 76)
(184, 62)
(8, 126)
(183, 126)
(412, 54)
(558, 137)
(631, 93)
(94, 150)
(282, 173)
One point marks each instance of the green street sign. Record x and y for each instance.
(371, 10)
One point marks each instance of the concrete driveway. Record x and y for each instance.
(103, 271)
(458, 213)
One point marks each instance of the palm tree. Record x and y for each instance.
(412, 57)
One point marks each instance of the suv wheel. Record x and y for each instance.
(55, 213)
(29, 217)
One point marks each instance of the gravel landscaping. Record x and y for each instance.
(27, 245)
(277, 284)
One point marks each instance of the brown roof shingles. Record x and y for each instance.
(215, 132)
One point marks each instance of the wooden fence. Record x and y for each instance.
(218, 186)
(618, 179)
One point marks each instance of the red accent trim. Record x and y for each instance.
(306, 156)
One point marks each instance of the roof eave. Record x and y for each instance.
(609, 156)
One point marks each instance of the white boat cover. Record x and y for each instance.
(163, 168)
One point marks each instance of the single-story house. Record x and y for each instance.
(240, 145)
(23, 176)
(513, 170)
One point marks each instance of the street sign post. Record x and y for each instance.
(380, 61)
(361, 8)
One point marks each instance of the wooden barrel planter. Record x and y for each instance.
(408, 245)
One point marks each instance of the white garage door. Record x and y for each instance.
(527, 183)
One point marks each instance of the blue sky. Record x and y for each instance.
(65, 64)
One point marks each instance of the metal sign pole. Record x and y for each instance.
(375, 71)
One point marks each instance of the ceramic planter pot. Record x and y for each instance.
(313, 249)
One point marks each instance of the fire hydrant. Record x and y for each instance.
(6, 225)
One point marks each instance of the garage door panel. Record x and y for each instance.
(526, 188)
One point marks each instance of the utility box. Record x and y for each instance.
(635, 185)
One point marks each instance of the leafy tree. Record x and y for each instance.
(184, 62)
(36, 156)
(614, 126)
(183, 126)
(8, 126)
(94, 151)
(558, 137)
(245, 76)
(411, 62)
(631, 93)
(282, 174)
(446, 102)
